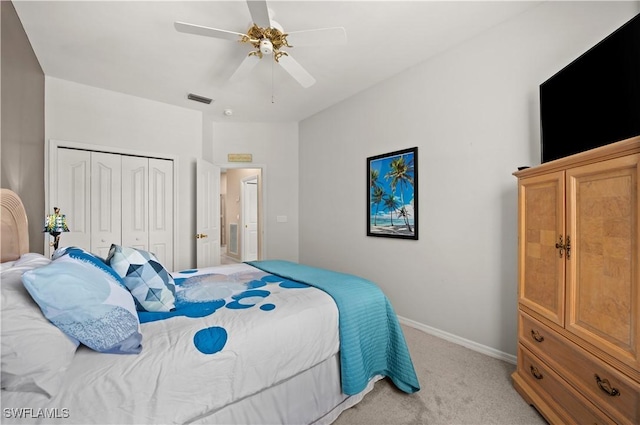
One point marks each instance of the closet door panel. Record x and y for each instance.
(161, 210)
(72, 194)
(105, 202)
(135, 202)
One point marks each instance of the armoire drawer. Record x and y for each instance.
(612, 391)
(570, 405)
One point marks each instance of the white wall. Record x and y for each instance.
(473, 113)
(274, 147)
(84, 114)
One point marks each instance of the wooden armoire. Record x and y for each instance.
(579, 286)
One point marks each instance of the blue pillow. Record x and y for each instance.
(149, 282)
(84, 300)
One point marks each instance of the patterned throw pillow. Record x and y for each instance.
(84, 298)
(88, 257)
(149, 282)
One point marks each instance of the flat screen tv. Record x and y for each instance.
(595, 100)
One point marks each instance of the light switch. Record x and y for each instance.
(281, 219)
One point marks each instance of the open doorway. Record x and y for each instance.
(241, 214)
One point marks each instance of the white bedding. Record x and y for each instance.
(273, 333)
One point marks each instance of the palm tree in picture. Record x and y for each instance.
(391, 203)
(402, 212)
(374, 176)
(401, 174)
(376, 198)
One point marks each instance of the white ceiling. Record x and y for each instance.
(132, 47)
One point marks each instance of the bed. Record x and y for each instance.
(263, 342)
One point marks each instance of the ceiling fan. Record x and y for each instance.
(268, 38)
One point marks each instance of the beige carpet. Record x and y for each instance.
(458, 386)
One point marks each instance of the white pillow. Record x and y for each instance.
(35, 353)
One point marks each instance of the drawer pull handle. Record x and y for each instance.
(606, 386)
(536, 335)
(536, 374)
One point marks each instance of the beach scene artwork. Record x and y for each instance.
(393, 190)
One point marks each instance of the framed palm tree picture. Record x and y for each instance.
(393, 194)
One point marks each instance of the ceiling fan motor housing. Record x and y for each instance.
(266, 47)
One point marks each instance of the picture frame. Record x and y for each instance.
(392, 208)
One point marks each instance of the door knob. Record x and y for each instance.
(201, 235)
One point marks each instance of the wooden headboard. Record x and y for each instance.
(14, 233)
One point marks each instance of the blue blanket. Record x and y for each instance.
(371, 339)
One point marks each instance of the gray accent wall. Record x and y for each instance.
(22, 125)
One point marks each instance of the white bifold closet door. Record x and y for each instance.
(135, 211)
(110, 198)
(161, 203)
(105, 202)
(147, 212)
(71, 192)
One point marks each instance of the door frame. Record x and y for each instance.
(50, 159)
(262, 228)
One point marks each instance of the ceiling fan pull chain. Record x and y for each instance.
(272, 79)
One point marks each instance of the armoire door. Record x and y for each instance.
(603, 271)
(541, 264)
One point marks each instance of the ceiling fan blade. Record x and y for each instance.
(259, 13)
(245, 68)
(317, 37)
(296, 70)
(206, 31)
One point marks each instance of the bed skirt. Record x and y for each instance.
(311, 397)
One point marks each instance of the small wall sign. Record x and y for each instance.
(240, 157)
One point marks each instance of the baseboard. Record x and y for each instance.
(491, 352)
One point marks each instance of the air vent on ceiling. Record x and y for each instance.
(197, 98)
